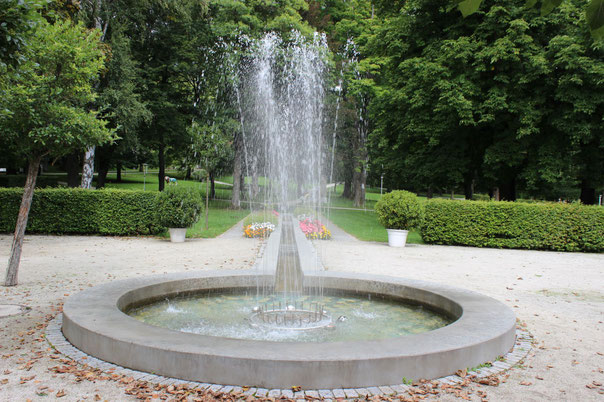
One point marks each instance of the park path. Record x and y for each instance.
(235, 232)
(558, 297)
(337, 233)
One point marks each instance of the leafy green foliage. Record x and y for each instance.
(178, 207)
(595, 18)
(45, 102)
(18, 18)
(594, 11)
(400, 210)
(506, 98)
(211, 144)
(79, 211)
(541, 226)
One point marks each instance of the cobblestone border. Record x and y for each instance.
(54, 336)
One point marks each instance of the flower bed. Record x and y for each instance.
(257, 229)
(314, 229)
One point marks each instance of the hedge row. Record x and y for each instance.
(74, 210)
(547, 226)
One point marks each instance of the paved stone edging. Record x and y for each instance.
(54, 336)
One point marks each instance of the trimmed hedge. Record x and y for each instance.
(546, 226)
(79, 211)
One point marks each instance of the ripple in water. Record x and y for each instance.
(226, 315)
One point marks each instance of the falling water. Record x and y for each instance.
(280, 97)
(278, 87)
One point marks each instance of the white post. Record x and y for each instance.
(382, 181)
(145, 177)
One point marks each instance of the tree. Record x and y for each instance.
(211, 146)
(349, 25)
(46, 108)
(119, 87)
(494, 100)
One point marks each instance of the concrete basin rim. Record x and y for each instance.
(96, 310)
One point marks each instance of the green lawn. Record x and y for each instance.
(364, 226)
(220, 219)
(260, 217)
(359, 223)
(137, 181)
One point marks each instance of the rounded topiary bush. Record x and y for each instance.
(178, 207)
(400, 210)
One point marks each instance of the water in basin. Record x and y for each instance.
(355, 318)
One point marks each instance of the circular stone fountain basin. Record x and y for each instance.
(95, 322)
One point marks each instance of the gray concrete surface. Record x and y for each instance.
(93, 321)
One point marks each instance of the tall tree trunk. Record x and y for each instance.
(118, 169)
(28, 194)
(88, 167)
(103, 167)
(359, 187)
(212, 185)
(588, 193)
(255, 187)
(188, 174)
(430, 192)
(162, 164)
(507, 189)
(468, 187)
(347, 192)
(72, 165)
(494, 194)
(236, 194)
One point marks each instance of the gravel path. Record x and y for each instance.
(558, 296)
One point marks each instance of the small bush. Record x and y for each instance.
(399, 210)
(178, 207)
(546, 226)
(79, 211)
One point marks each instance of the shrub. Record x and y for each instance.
(79, 211)
(178, 207)
(399, 210)
(546, 226)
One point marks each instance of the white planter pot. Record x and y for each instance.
(397, 238)
(177, 235)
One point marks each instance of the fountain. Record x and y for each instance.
(289, 322)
